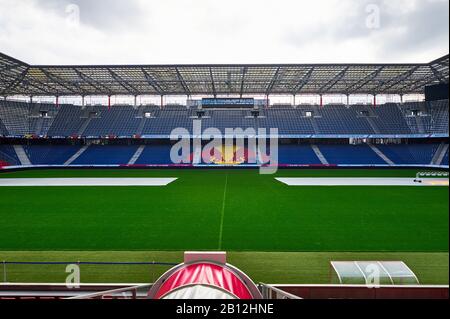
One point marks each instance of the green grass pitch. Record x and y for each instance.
(238, 211)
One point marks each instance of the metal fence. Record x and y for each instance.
(88, 271)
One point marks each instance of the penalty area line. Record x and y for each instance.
(222, 213)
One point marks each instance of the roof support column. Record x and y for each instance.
(57, 101)
(321, 100)
(374, 100)
(401, 98)
(109, 102)
(82, 101)
(348, 99)
(162, 102)
(135, 101)
(267, 101)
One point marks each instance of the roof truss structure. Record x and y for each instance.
(19, 78)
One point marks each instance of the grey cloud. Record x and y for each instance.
(107, 15)
(426, 26)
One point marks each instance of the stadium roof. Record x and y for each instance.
(19, 78)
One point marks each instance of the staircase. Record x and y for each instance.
(315, 126)
(419, 124)
(439, 155)
(140, 128)
(39, 125)
(373, 125)
(76, 155)
(84, 126)
(23, 157)
(136, 155)
(319, 154)
(381, 154)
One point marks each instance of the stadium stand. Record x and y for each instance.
(155, 154)
(297, 154)
(390, 120)
(410, 154)
(14, 116)
(438, 116)
(408, 119)
(8, 156)
(288, 121)
(106, 155)
(445, 159)
(50, 154)
(118, 121)
(124, 120)
(67, 122)
(3, 130)
(167, 119)
(339, 154)
(289, 154)
(338, 119)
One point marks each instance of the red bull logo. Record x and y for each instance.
(235, 147)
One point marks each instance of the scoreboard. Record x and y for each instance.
(228, 103)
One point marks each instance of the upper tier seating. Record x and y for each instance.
(390, 120)
(67, 122)
(3, 130)
(338, 119)
(20, 118)
(15, 117)
(118, 121)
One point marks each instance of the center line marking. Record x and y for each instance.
(223, 212)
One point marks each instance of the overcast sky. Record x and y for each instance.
(223, 31)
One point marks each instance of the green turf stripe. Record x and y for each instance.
(222, 212)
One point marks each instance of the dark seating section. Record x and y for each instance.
(19, 118)
(159, 154)
(106, 155)
(8, 156)
(350, 154)
(410, 154)
(50, 154)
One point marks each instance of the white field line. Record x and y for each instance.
(85, 181)
(361, 181)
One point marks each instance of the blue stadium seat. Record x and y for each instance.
(350, 154)
(50, 154)
(155, 154)
(410, 153)
(297, 154)
(106, 155)
(8, 155)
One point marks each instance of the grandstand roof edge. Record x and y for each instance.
(222, 64)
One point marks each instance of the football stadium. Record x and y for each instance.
(190, 181)
(98, 183)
